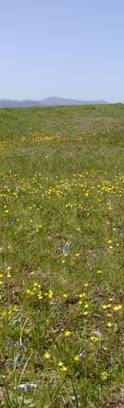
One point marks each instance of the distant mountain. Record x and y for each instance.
(8, 103)
(53, 100)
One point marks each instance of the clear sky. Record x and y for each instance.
(69, 48)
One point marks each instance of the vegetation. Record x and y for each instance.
(62, 257)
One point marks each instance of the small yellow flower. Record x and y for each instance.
(64, 368)
(86, 306)
(50, 294)
(28, 291)
(8, 275)
(95, 339)
(40, 296)
(4, 313)
(47, 355)
(116, 308)
(106, 306)
(77, 358)
(60, 364)
(109, 325)
(67, 333)
(65, 296)
(99, 271)
(85, 313)
(82, 295)
(15, 308)
(8, 268)
(104, 375)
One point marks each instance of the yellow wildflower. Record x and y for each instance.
(95, 339)
(8, 275)
(64, 368)
(60, 364)
(106, 306)
(67, 333)
(65, 296)
(86, 306)
(82, 295)
(77, 358)
(109, 325)
(50, 294)
(104, 375)
(47, 355)
(116, 308)
(40, 296)
(85, 313)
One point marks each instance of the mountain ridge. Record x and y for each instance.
(50, 101)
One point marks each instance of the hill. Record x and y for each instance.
(8, 103)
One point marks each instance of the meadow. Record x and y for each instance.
(62, 257)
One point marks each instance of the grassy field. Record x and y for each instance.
(62, 257)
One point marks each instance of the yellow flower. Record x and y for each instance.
(86, 306)
(116, 308)
(77, 358)
(60, 364)
(8, 275)
(64, 368)
(67, 333)
(4, 313)
(104, 375)
(65, 296)
(15, 308)
(50, 294)
(107, 306)
(85, 313)
(28, 291)
(94, 338)
(40, 296)
(109, 325)
(47, 355)
(82, 295)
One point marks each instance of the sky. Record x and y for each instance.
(67, 48)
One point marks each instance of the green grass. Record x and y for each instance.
(62, 257)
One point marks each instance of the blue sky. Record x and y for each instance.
(69, 48)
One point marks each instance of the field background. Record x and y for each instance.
(62, 257)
